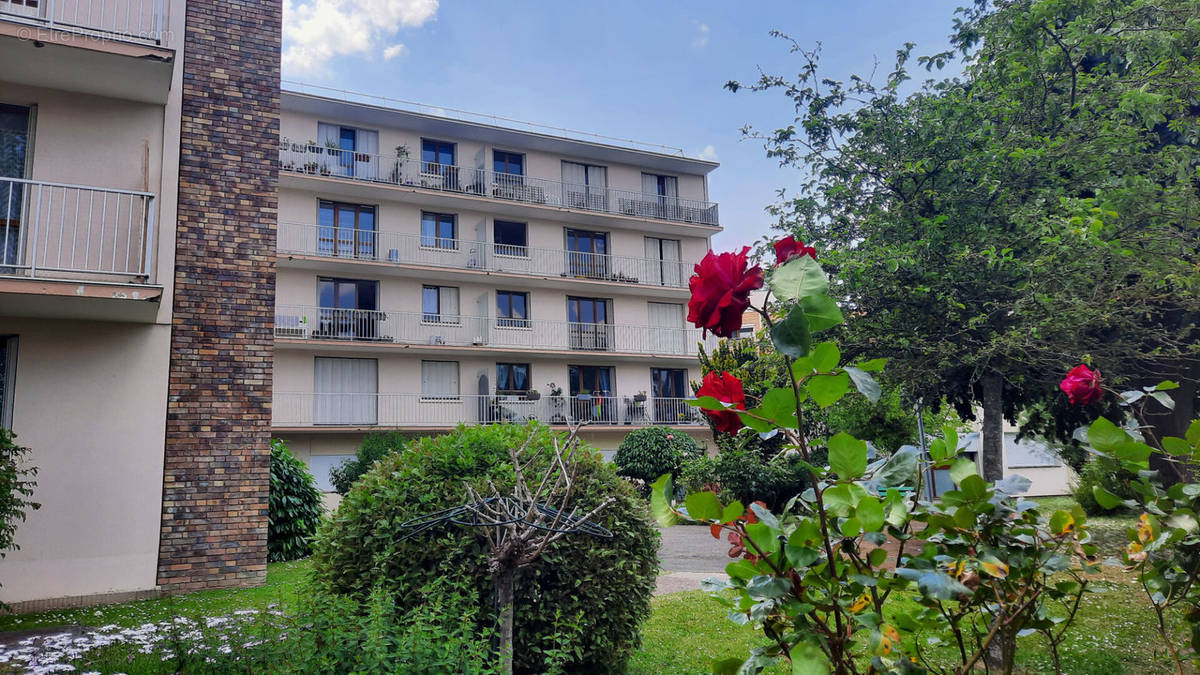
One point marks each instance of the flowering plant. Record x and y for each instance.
(818, 577)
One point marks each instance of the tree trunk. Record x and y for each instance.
(992, 448)
(1166, 422)
(1001, 655)
(505, 586)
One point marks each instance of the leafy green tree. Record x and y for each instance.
(375, 446)
(986, 229)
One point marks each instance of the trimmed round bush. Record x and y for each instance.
(593, 591)
(294, 506)
(648, 453)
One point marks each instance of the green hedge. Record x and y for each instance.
(599, 587)
(294, 507)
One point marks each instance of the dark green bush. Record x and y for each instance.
(1107, 474)
(743, 474)
(648, 453)
(16, 487)
(600, 587)
(375, 446)
(294, 506)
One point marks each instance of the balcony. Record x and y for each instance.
(478, 256)
(139, 21)
(338, 411)
(61, 245)
(441, 330)
(392, 170)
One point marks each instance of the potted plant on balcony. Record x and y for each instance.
(401, 158)
(310, 167)
(556, 404)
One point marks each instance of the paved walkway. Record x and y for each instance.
(688, 554)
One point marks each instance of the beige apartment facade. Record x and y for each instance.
(100, 141)
(435, 271)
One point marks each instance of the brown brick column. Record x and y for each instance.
(216, 474)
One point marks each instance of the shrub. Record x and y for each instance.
(375, 446)
(745, 475)
(16, 487)
(605, 582)
(698, 474)
(1108, 474)
(294, 507)
(648, 453)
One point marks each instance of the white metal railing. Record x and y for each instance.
(417, 328)
(54, 229)
(306, 409)
(138, 20)
(371, 168)
(415, 249)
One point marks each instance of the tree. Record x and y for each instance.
(990, 230)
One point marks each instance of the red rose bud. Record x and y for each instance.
(727, 389)
(1082, 385)
(721, 292)
(789, 247)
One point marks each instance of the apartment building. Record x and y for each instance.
(137, 235)
(434, 270)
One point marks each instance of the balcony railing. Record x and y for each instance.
(73, 231)
(415, 249)
(417, 328)
(137, 20)
(371, 168)
(305, 409)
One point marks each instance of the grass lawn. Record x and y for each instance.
(1114, 631)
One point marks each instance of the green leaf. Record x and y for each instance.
(765, 538)
(828, 389)
(941, 586)
(847, 456)
(1193, 432)
(767, 587)
(1165, 399)
(1061, 522)
(1166, 385)
(729, 666)
(825, 357)
(1104, 435)
(703, 506)
(872, 366)
(779, 405)
(1131, 451)
(821, 311)
(962, 468)
(708, 403)
(661, 492)
(870, 513)
(866, 385)
(1105, 498)
(798, 278)
(808, 660)
(732, 512)
(791, 336)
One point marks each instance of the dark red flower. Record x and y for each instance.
(1082, 385)
(727, 389)
(789, 247)
(721, 292)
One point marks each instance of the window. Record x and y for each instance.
(668, 388)
(660, 186)
(511, 238)
(512, 309)
(1028, 453)
(585, 186)
(512, 377)
(439, 304)
(664, 266)
(436, 152)
(345, 391)
(587, 254)
(355, 150)
(15, 128)
(322, 466)
(508, 163)
(591, 392)
(348, 309)
(345, 230)
(589, 327)
(438, 230)
(439, 379)
(8, 378)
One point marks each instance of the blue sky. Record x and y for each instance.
(652, 71)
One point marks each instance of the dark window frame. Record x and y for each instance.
(507, 320)
(513, 250)
(364, 241)
(508, 162)
(436, 240)
(511, 378)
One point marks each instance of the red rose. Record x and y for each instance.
(727, 389)
(1082, 385)
(789, 247)
(721, 292)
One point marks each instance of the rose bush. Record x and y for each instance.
(814, 576)
(721, 292)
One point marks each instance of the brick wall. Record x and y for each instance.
(216, 473)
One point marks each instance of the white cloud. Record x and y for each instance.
(315, 31)
(709, 152)
(700, 40)
(394, 51)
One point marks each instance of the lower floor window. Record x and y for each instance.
(8, 378)
(512, 377)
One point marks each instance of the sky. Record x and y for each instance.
(647, 70)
